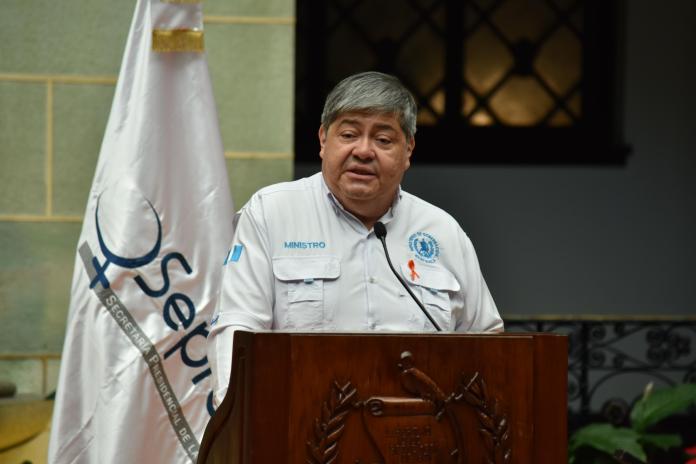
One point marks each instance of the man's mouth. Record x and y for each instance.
(360, 173)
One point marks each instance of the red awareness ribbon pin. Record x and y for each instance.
(412, 267)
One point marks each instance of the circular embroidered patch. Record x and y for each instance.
(424, 246)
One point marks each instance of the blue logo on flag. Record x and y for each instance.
(424, 246)
(111, 257)
(178, 309)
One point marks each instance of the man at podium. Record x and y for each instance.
(314, 254)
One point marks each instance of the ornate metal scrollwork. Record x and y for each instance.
(666, 346)
(611, 359)
(616, 411)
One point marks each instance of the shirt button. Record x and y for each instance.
(372, 280)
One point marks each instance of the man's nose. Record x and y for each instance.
(363, 148)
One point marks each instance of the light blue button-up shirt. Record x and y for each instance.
(309, 265)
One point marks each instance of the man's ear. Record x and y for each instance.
(410, 146)
(322, 141)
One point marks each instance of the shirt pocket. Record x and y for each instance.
(300, 295)
(434, 286)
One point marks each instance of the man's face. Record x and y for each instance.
(364, 157)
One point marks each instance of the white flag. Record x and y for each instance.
(134, 380)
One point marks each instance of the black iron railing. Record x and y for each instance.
(611, 360)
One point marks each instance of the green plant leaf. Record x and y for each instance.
(661, 441)
(660, 404)
(608, 439)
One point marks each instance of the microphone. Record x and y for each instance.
(381, 234)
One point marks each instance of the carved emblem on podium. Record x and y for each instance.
(421, 428)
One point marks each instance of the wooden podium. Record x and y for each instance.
(392, 398)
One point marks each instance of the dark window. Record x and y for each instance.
(497, 81)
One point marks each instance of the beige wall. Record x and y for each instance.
(59, 61)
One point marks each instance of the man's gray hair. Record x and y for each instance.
(371, 92)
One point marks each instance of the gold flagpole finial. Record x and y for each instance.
(177, 40)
